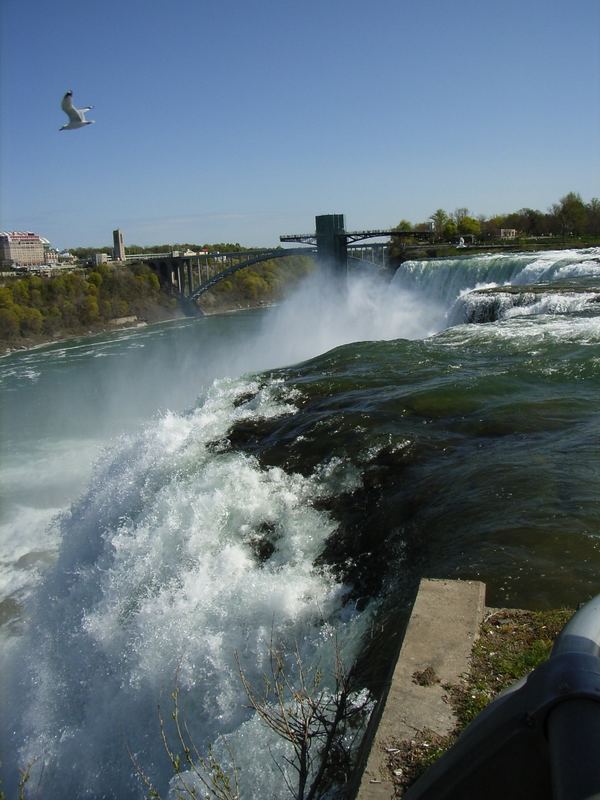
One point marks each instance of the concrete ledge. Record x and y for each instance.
(436, 650)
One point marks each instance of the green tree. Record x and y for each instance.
(153, 281)
(121, 308)
(20, 291)
(6, 297)
(593, 216)
(95, 278)
(32, 321)
(52, 319)
(570, 213)
(105, 309)
(89, 310)
(533, 222)
(36, 298)
(469, 226)
(68, 312)
(55, 288)
(439, 219)
(9, 323)
(450, 230)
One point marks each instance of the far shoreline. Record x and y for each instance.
(31, 345)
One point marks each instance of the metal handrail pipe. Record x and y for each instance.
(573, 725)
(581, 634)
(573, 731)
(540, 738)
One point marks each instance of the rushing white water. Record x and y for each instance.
(159, 581)
(104, 392)
(480, 307)
(447, 278)
(172, 553)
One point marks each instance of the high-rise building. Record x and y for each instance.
(22, 249)
(118, 246)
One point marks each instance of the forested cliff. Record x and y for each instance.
(35, 308)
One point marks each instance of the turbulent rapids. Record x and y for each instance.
(290, 486)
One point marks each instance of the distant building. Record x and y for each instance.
(100, 258)
(118, 246)
(50, 254)
(508, 233)
(22, 249)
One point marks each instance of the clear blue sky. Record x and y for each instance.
(239, 120)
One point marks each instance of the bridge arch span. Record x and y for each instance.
(248, 262)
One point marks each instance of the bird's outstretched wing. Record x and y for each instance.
(74, 114)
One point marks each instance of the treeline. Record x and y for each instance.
(571, 216)
(87, 253)
(33, 306)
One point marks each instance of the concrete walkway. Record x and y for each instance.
(436, 650)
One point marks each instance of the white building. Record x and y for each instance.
(22, 249)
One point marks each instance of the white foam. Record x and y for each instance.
(445, 280)
(158, 580)
(27, 541)
(558, 303)
(36, 486)
(525, 331)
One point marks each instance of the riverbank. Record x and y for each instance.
(34, 342)
(37, 311)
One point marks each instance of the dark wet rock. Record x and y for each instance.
(263, 541)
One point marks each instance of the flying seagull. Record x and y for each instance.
(76, 115)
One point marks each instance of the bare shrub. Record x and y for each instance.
(322, 725)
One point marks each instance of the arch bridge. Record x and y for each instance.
(189, 275)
